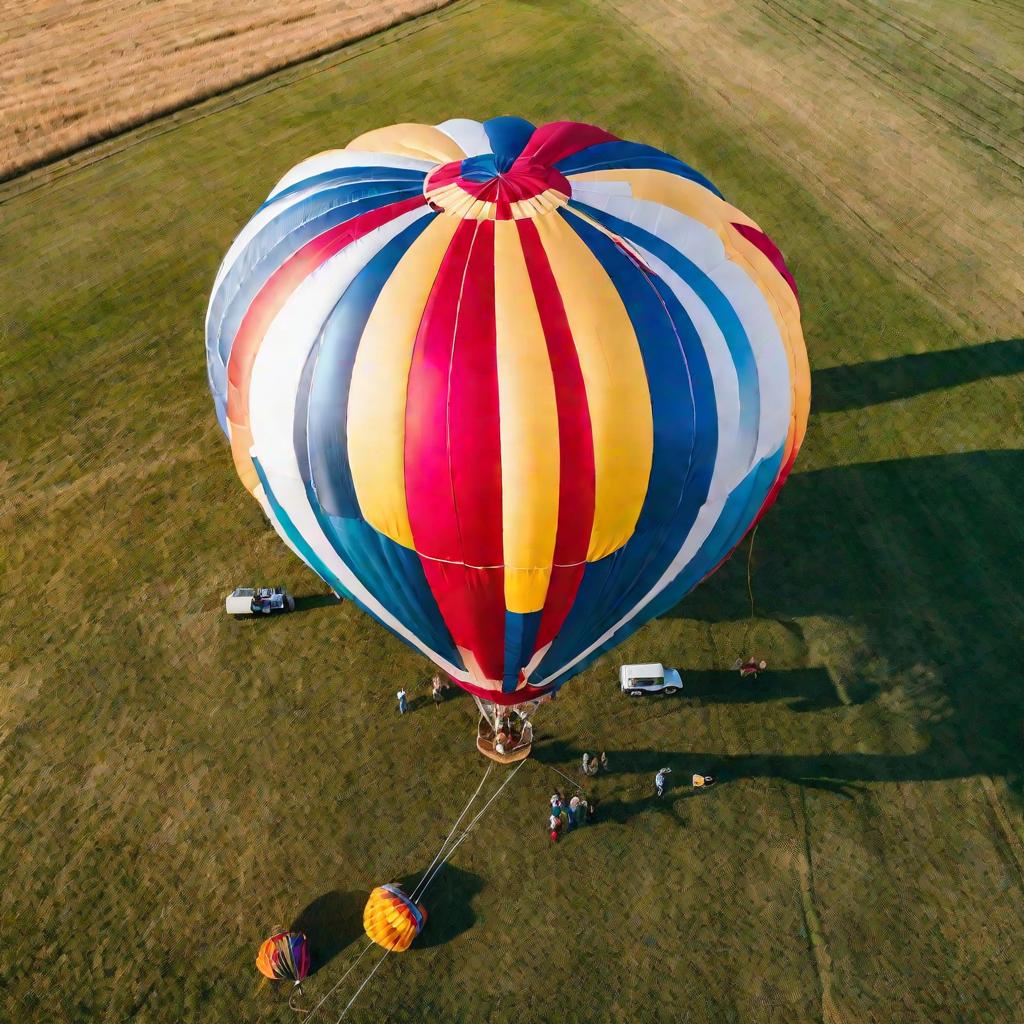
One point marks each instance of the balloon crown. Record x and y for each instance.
(481, 188)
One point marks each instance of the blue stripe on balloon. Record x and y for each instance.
(310, 557)
(220, 398)
(623, 155)
(326, 424)
(347, 176)
(392, 573)
(508, 137)
(720, 308)
(479, 168)
(520, 636)
(412, 907)
(685, 423)
(279, 239)
(738, 513)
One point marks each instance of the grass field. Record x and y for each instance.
(174, 784)
(71, 74)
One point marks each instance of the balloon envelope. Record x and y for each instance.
(392, 919)
(284, 957)
(515, 390)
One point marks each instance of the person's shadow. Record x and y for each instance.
(330, 923)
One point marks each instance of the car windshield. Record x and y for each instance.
(244, 592)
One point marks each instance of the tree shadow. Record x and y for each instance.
(449, 903)
(925, 558)
(330, 922)
(885, 380)
(307, 602)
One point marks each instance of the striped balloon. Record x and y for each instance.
(284, 957)
(392, 919)
(514, 390)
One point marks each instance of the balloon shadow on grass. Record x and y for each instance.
(860, 385)
(619, 812)
(330, 922)
(924, 559)
(449, 903)
(806, 689)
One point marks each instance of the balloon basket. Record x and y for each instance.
(520, 753)
(503, 747)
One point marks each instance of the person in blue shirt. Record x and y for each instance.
(660, 780)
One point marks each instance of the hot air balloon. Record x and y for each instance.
(284, 957)
(392, 919)
(514, 390)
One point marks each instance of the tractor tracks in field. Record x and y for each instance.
(1012, 839)
(857, 113)
(977, 123)
(804, 863)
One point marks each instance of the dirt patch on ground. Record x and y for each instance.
(74, 73)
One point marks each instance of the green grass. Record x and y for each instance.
(174, 784)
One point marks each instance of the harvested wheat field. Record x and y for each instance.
(73, 73)
(176, 784)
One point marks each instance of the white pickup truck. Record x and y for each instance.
(639, 680)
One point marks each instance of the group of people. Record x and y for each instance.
(592, 764)
(564, 817)
(749, 668)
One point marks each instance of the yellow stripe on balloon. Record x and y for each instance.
(241, 444)
(380, 374)
(615, 381)
(528, 420)
(420, 141)
(786, 311)
(693, 200)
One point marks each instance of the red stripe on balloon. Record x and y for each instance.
(553, 142)
(453, 448)
(771, 250)
(575, 441)
(278, 289)
(498, 697)
(474, 436)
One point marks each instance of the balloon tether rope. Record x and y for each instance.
(750, 592)
(433, 870)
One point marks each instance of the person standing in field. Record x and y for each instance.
(603, 761)
(403, 705)
(436, 692)
(574, 805)
(660, 780)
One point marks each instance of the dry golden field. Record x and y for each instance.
(75, 72)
